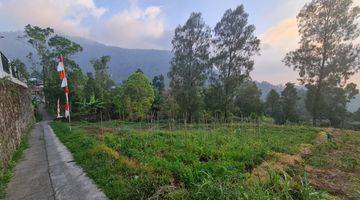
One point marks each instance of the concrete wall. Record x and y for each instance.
(16, 115)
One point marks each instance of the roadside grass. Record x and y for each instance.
(6, 174)
(132, 162)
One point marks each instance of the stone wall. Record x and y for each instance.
(16, 116)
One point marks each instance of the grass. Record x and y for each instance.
(6, 174)
(132, 161)
(336, 164)
(343, 153)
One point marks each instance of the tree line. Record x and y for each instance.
(210, 68)
(210, 72)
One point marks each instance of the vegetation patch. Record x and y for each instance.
(278, 162)
(186, 163)
(334, 165)
(6, 174)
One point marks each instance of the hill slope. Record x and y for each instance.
(123, 61)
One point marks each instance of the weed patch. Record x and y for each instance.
(333, 165)
(6, 174)
(137, 163)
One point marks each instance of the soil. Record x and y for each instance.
(337, 178)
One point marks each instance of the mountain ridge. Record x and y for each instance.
(123, 62)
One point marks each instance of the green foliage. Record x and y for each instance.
(325, 60)
(92, 106)
(336, 99)
(340, 156)
(289, 98)
(63, 46)
(189, 65)
(184, 164)
(273, 106)
(214, 100)
(6, 174)
(101, 85)
(159, 88)
(235, 45)
(102, 77)
(21, 72)
(49, 47)
(36, 102)
(35, 73)
(158, 83)
(90, 87)
(327, 56)
(357, 115)
(169, 109)
(38, 38)
(135, 97)
(283, 108)
(248, 100)
(52, 89)
(333, 102)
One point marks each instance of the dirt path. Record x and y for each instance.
(331, 166)
(334, 166)
(48, 171)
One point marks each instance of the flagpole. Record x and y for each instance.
(64, 84)
(58, 109)
(68, 107)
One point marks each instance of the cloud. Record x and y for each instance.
(275, 43)
(133, 28)
(283, 35)
(65, 16)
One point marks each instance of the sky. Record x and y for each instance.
(150, 24)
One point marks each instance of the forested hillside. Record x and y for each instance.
(123, 61)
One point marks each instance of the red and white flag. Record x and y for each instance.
(64, 84)
(60, 66)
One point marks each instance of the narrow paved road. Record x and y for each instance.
(48, 171)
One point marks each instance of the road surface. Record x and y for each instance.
(48, 171)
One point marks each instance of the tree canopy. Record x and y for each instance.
(234, 44)
(135, 97)
(327, 55)
(273, 106)
(289, 98)
(190, 63)
(209, 77)
(248, 100)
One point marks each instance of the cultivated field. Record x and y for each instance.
(139, 161)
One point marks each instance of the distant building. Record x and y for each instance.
(6, 71)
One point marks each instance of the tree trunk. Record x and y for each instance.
(314, 120)
(225, 113)
(316, 103)
(189, 116)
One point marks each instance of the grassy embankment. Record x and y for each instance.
(6, 174)
(131, 162)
